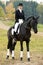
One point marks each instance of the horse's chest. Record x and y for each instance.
(27, 36)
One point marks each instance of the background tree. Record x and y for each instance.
(40, 11)
(2, 5)
(2, 13)
(29, 8)
(9, 11)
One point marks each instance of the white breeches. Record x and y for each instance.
(15, 28)
(16, 25)
(20, 21)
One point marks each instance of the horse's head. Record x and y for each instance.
(33, 23)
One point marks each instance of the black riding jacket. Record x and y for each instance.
(19, 15)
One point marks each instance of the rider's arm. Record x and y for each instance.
(16, 16)
(23, 16)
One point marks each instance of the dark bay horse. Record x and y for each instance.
(24, 35)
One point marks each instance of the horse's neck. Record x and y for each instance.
(27, 23)
(28, 18)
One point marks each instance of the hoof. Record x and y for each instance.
(21, 59)
(13, 58)
(28, 59)
(7, 57)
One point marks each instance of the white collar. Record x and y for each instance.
(20, 10)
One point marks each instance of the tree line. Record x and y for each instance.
(30, 9)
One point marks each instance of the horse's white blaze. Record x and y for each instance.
(12, 53)
(28, 54)
(21, 54)
(8, 53)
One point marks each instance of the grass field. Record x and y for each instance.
(36, 50)
(40, 27)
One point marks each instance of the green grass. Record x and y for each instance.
(36, 43)
(3, 39)
(40, 27)
(36, 46)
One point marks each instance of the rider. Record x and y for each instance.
(19, 17)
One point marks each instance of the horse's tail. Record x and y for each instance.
(9, 40)
(10, 44)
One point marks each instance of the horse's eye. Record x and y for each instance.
(37, 22)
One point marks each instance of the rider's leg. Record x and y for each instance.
(12, 31)
(15, 28)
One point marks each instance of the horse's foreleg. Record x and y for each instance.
(21, 51)
(13, 48)
(28, 53)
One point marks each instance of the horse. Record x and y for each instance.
(24, 35)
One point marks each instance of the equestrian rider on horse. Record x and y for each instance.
(19, 17)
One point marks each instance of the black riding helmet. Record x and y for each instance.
(20, 4)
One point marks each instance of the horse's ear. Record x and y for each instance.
(37, 17)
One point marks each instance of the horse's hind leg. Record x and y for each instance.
(28, 53)
(13, 47)
(9, 47)
(21, 52)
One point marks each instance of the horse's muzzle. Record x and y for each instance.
(35, 31)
